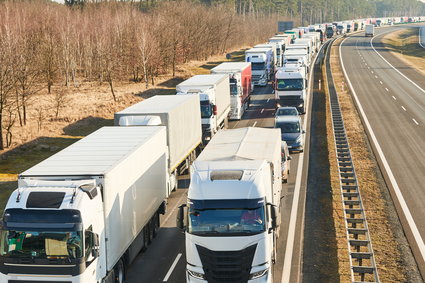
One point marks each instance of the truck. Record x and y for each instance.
(261, 60)
(369, 30)
(297, 53)
(85, 213)
(281, 43)
(291, 87)
(232, 214)
(181, 116)
(214, 96)
(240, 79)
(274, 47)
(330, 31)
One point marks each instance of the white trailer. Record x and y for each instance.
(233, 207)
(84, 213)
(182, 117)
(261, 64)
(369, 30)
(274, 47)
(240, 79)
(214, 95)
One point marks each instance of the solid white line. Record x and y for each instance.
(290, 241)
(255, 123)
(394, 97)
(386, 89)
(403, 108)
(380, 82)
(417, 236)
(172, 268)
(262, 110)
(371, 44)
(415, 121)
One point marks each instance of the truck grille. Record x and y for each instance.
(256, 78)
(227, 266)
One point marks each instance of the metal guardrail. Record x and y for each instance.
(422, 37)
(361, 256)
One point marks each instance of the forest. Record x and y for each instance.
(44, 43)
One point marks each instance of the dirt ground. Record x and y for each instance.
(87, 108)
(392, 253)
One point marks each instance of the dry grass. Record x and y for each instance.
(404, 45)
(88, 108)
(371, 186)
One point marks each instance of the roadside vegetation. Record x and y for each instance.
(404, 45)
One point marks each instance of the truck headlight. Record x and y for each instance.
(195, 274)
(258, 274)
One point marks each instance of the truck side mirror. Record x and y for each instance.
(273, 216)
(95, 245)
(180, 217)
(215, 109)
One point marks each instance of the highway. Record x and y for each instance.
(392, 96)
(164, 260)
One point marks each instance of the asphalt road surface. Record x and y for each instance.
(393, 100)
(165, 260)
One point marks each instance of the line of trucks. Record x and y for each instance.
(85, 213)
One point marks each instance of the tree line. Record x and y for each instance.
(42, 44)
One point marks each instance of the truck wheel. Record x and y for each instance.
(145, 237)
(156, 224)
(151, 225)
(119, 272)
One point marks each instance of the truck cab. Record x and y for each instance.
(291, 87)
(261, 64)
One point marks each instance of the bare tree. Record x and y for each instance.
(60, 100)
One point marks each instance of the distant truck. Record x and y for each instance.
(232, 214)
(369, 30)
(291, 87)
(261, 60)
(181, 116)
(214, 94)
(274, 47)
(86, 212)
(330, 31)
(240, 79)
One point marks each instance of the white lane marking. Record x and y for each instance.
(394, 97)
(172, 268)
(416, 122)
(376, 76)
(403, 108)
(268, 100)
(262, 110)
(255, 123)
(380, 82)
(386, 89)
(417, 236)
(290, 241)
(368, 67)
(371, 72)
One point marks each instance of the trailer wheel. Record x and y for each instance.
(119, 272)
(151, 226)
(145, 237)
(156, 224)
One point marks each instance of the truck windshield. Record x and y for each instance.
(206, 109)
(233, 87)
(258, 66)
(290, 84)
(41, 245)
(226, 221)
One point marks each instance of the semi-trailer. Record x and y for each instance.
(214, 95)
(240, 79)
(291, 87)
(84, 213)
(232, 213)
(181, 116)
(261, 60)
(369, 30)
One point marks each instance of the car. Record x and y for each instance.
(291, 132)
(286, 162)
(286, 111)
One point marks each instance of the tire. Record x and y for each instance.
(119, 272)
(145, 237)
(156, 224)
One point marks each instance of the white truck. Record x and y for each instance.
(280, 48)
(240, 79)
(291, 87)
(232, 214)
(181, 116)
(369, 30)
(84, 213)
(214, 95)
(306, 41)
(261, 64)
(297, 53)
(274, 47)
